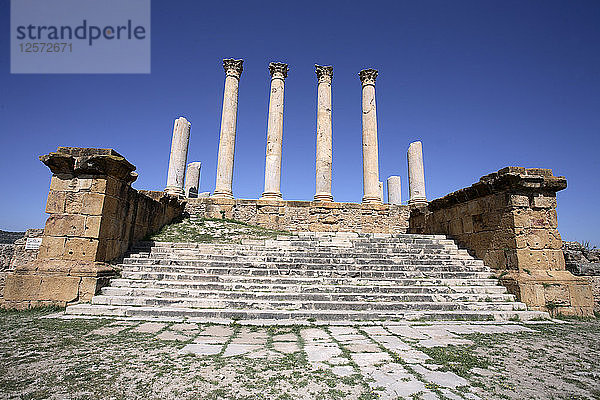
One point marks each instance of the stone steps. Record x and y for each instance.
(191, 265)
(309, 280)
(326, 277)
(307, 304)
(358, 295)
(198, 273)
(304, 286)
(296, 316)
(263, 255)
(307, 265)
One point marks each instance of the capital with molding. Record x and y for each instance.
(368, 76)
(233, 67)
(324, 73)
(278, 70)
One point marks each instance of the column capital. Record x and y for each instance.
(233, 67)
(324, 73)
(368, 76)
(278, 70)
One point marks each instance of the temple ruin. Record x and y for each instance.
(507, 219)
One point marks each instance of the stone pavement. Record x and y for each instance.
(388, 356)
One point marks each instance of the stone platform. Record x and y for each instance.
(301, 216)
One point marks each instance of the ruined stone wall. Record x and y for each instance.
(22, 255)
(509, 220)
(584, 261)
(15, 254)
(95, 215)
(6, 253)
(306, 215)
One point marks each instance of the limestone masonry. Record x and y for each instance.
(307, 216)
(509, 220)
(95, 216)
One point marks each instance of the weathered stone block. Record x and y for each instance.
(538, 239)
(93, 226)
(73, 203)
(540, 259)
(84, 249)
(99, 185)
(56, 202)
(52, 247)
(556, 295)
(87, 288)
(22, 287)
(59, 288)
(495, 259)
(456, 227)
(528, 218)
(117, 188)
(517, 200)
(581, 294)
(84, 183)
(542, 201)
(65, 225)
(62, 183)
(93, 203)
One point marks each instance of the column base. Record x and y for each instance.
(417, 202)
(323, 197)
(372, 200)
(221, 194)
(271, 196)
(175, 191)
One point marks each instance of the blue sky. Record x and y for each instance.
(483, 84)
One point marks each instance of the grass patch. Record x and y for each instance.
(192, 229)
(457, 359)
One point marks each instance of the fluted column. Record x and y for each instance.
(394, 193)
(233, 71)
(324, 133)
(369, 137)
(178, 158)
(416, 174)
(278, 72)
(192, 179)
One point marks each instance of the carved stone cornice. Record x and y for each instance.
(78, 161)
(233, 67)
(278, 70)
(324, 73)
(525, 181)
(368, 76)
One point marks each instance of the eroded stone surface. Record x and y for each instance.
(202, 349)
(150, 327)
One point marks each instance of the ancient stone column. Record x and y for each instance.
(192, 179)
(278, 72)
(416, 174)
(178, 158)
(324, 133)
(394, 190)
(381, 191)
(369, 137)
(233, 71)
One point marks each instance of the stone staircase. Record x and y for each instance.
(306, 277)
